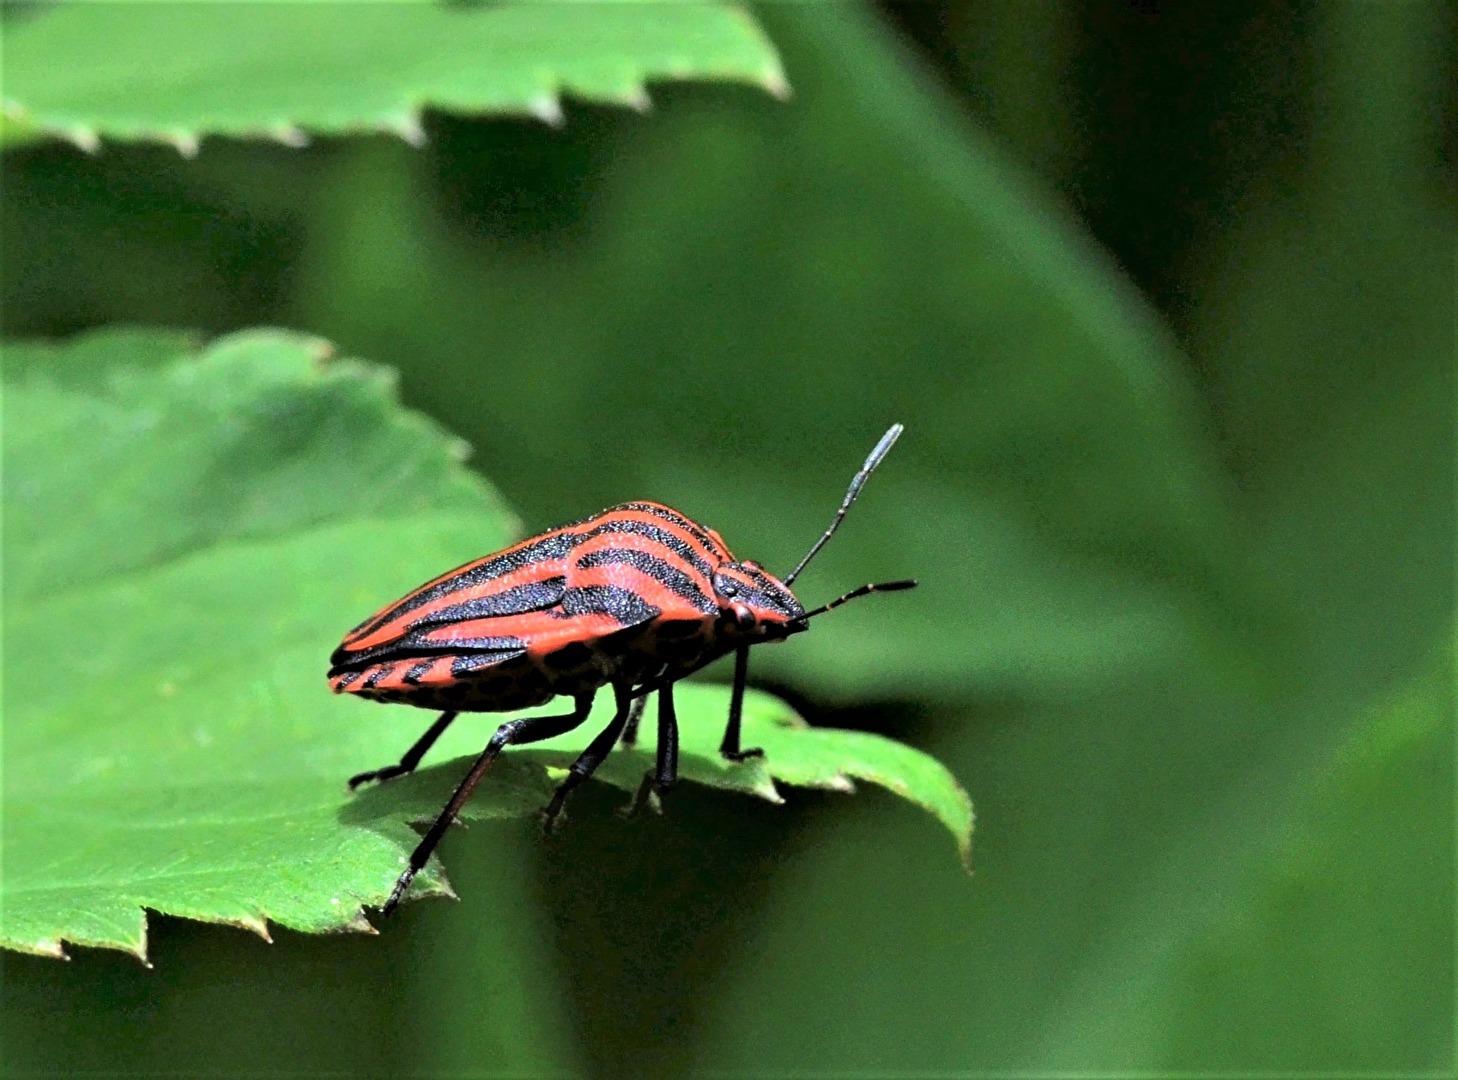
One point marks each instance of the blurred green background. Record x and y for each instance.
(1165, 297)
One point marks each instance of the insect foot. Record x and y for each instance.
(743, 755)
(379, 776)
(550, 820)
(647, 795)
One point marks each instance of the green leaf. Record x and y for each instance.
(262, 438)
(182, 540)
(175, 579)
(795, 754)
(179, 72)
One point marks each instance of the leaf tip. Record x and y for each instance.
(83, 138)
(409, 127)
(186, 143)
(773, 80)
(255, 923)
(137, 948)
(321, 351)
(765, 788)
(963, 835)
(548, 109)
(638, 100)
(443, 891)
(289, 135)
(964, 852)
(42, 947)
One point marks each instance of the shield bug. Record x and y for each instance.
(636, 598)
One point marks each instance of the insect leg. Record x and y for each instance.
(526, 730)
(665, 772)
(730, 746)
(635, 714)
(412, 756)
(588, 761)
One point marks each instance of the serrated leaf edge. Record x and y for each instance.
(406, 124)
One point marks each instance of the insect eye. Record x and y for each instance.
(744, 617)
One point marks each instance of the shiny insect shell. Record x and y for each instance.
(637, 592)
(636, 597)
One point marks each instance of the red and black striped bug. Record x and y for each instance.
(636, 597)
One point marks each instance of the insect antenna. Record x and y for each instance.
(730, 747)
(864, 590)
(883, 447)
